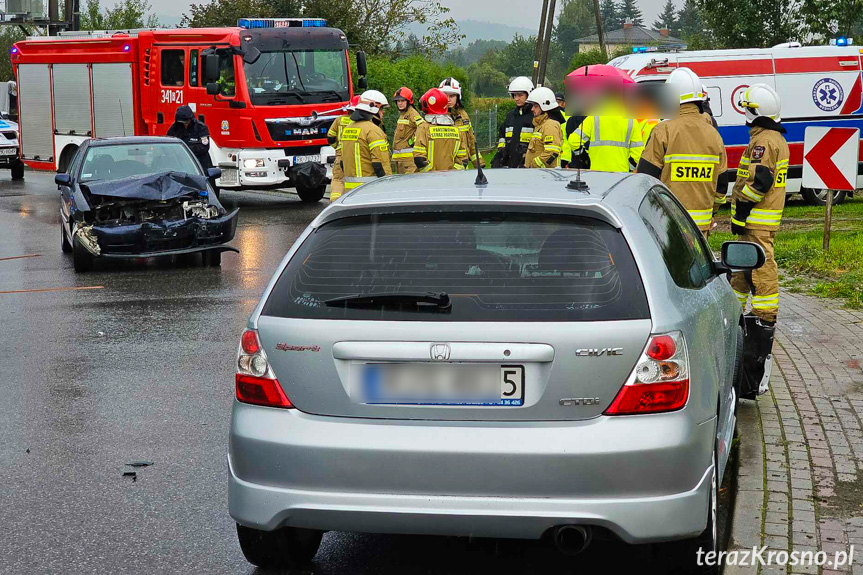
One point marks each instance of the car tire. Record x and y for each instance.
(212, 259)
(18, 170)
(81, 258)
(284, 548)
(311, 195)
(64, 243)
(819, 197)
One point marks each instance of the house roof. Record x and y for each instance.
(634, 36)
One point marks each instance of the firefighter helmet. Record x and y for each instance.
(404, 93)
(450, 86)
(521, 84)
(352, 105)
(760, 100)
(434, 102)
(544, 98)
(372, 101)
(688, 85)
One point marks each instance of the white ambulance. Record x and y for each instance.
(818, 86)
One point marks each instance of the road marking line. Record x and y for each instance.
(19, 257)
(39, 290)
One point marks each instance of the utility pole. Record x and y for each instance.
(549, 26)
(599, 30)
(537, 54)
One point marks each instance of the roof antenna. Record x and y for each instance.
(481, 180)
(578, 184)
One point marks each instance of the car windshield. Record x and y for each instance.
(128, 160)
(304, 76)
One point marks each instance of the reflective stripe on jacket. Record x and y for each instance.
(438, 142)
(405, 134)
(545, 144)
(613, 143)
(364, 143)
(761, 181)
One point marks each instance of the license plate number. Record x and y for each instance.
(8, 151)
(311, 158)
(451, 384)
(228, 177)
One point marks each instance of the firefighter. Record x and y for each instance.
(688, 155)
(756, 211)
(452, 88)
(545, 143)
(438, 141)
(708, 112)
(560, 97)
(334, 138)
(517, 128)
(194, 133)
(405, 134)
(365, 153)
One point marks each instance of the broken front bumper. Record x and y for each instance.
(166, 238)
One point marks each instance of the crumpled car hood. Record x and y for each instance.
(160, 187)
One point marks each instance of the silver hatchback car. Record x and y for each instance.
(530, 358)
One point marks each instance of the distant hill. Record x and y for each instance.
(476, 30)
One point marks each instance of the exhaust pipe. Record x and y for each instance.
(572, 539)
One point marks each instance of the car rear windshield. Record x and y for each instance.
(492, 266)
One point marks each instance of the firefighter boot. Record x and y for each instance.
(757, 356)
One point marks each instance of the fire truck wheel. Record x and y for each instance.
(82, 258)
(18, 170)
(819, 197)
(311, 195)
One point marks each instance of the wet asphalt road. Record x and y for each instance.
(134, 362)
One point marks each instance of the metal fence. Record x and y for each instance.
(485, 126)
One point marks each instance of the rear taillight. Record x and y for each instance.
(660, 380)
(256, 383)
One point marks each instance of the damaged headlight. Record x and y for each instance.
(87, 238)
(199, 210)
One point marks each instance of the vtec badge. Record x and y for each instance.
(593, 352)
(577, 401)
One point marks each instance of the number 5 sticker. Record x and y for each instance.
(512, 384)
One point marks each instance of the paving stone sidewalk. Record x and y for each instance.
(801, 445)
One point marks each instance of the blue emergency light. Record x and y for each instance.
(643, 49)
(841, 41)
(249, 23)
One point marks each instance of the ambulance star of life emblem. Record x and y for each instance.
(828, 94)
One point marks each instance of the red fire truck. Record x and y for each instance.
(267, 89)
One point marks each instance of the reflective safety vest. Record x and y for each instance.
(613, 143)
(405, 134)
(438, 142)
(761, 181)
(364, 144)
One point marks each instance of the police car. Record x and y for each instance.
(818, 86)
(10, 158)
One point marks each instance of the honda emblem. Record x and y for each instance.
(440, 351)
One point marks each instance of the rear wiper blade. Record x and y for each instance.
(439, 299)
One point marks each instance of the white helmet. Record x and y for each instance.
(760, 100)
(521, 84)
(688, 85)
(544, 97)
(450, 86)
(372, 101)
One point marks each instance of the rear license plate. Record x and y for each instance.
(228, 177)
(8, 151)
(311, 158)
(450, 384)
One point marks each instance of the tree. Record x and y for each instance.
(223, 12)
(629, 10)
(667, 18)
(8, 36)
(576, 20)
(689, 20)
(516, 59)
(486, 80)
(611, 18)
(125, 15)
(744, 24)
(91, 16)
(824, 19)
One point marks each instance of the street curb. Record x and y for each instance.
(746, 524)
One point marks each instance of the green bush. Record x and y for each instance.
(504, 105)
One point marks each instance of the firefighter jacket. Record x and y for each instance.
(197, 137)
(759, 192)
(514, 138)
(405, 134)
(613, 143)
(365, 152)
(688, 155)
(545, 143)
(468, 139)
(438, 144)
(334, 134)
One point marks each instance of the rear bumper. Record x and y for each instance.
(646, 479)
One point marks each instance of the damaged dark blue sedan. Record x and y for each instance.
(141, 197)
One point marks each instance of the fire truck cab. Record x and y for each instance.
(818, 86)
(267, 90)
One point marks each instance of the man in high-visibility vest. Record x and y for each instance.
(405, 134)
(607, 144)
(334, 138)
(688, 155)
(438, 141)
(365, 151)
(756, 211)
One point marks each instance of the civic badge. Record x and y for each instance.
(440, 351)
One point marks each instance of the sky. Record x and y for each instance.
(523, 13)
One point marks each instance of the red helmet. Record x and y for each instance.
(434, 101)
(353, 103)
(404, 93)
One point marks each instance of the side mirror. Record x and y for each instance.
(362, 84)
(63, 180)
(211, 68)
(741, 256)
(361, 64)
(212, 88)
(214, 173)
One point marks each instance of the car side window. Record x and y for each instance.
(678, 239)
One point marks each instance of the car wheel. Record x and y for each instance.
(18, 170)
(285, 548)
(82, 258)
(64, 243)
(737, 382)
(212, 259)
(311, 195)
(819, 197)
